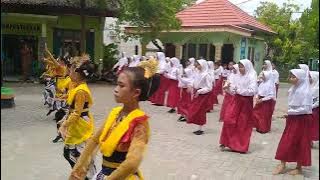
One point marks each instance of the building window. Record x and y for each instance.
(203, 48)
(212, 53)
(192, 50)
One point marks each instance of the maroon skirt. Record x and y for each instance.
(173, 94)
(213, 99)
(218, 86)
(295, 143)
(262, 116)
(159, 96)
(237, 126)
(315, 124)
(184, 102)
(197, 110)
(225, 108)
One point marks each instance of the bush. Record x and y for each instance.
(110, 56)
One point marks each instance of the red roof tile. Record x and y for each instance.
(219, 13)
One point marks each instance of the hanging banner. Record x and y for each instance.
(243, 48)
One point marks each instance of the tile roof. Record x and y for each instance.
(90, 4)
(219, 13)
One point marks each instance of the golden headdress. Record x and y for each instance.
(77, 61)
(150, 67)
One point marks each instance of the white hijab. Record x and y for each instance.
(135, 61)
(269, 65)
(123, 60)
(267, 86)
(202, 74)
(298, 95)
(232, 78)
(315, 83)
(306, 69)
(250, 76)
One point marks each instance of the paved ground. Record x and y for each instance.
(174, 153)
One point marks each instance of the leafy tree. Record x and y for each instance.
(283, 46)
(150, 17)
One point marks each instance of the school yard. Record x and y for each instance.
(174, 152)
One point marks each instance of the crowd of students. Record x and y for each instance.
(191, 91)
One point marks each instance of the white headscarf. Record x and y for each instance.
(315, 83)
(191, 60)
(162, 62)
(306, 69)
(202, 74)
(123, 60)
(211, 70)
(267, 87)
(249, 79)
(269, 65)
(232, 78)
(298, 95)
(135, 61)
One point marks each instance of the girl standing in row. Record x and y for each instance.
(315, 105)
(294, 145)
(202, 85)
(237, 126)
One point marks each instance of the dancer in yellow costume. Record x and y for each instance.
(125, 133)
(79, 125)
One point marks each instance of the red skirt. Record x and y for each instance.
(315, 125)
(225, 105)
(262, 116)
(295, 143)
(213, 99)
(173, 94)
(184, 102)
(197, 111)
(236, 132)
(218, 86)
(159, 95)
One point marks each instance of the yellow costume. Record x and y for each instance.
(122, 145)
(79, 122)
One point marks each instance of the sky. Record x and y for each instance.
(250, 5)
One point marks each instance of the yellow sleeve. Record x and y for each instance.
(90, 150)
(80, 99)
(135, 153)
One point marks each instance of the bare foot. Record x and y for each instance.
(279, 169)
(295, 172)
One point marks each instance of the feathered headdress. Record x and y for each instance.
(150, 67)
(77, 61)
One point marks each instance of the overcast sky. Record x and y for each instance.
(252, 5)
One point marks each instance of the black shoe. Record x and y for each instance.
(182, 119)
(157, 104)
(171, 111)
(199, 132)
(50, 112)
(57, 139)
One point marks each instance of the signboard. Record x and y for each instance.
(25, 28)
(243, 46)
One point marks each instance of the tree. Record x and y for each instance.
(283, 46)
(296, 39)
(309, 34)
(150, 17)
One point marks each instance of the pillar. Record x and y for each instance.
(143, 48)
(178, 51)
(197, 51)
(236, 52)
(218, 48)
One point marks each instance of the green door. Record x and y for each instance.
(90, 45)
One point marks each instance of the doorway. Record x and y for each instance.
(12, 64)
(170, 50)
(227, 53)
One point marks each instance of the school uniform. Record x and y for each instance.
(202, 86)
(238, 123)
(218, 81)
(159, 96)
(315, 106)
(229, 97)
(173, 89)
(294, 145)
(213, 99)
(262, 112)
